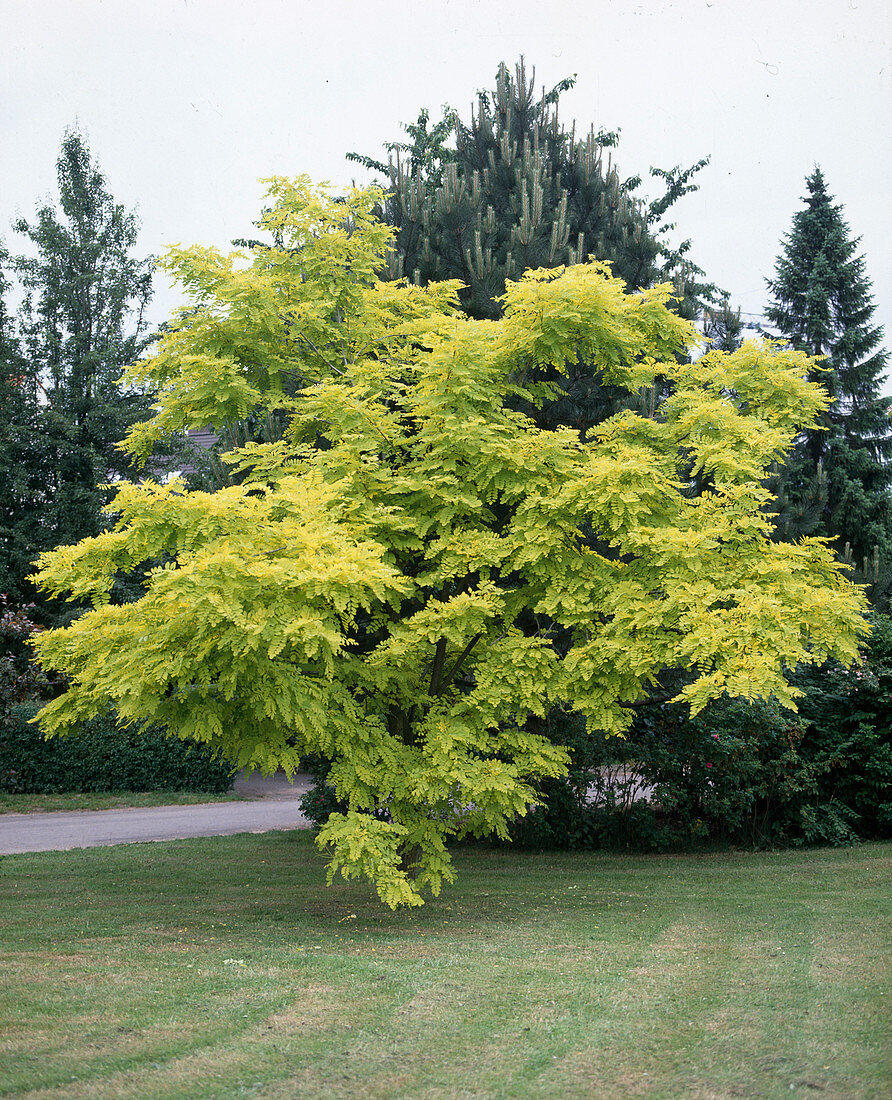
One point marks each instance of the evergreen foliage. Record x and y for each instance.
(518, 192)
(722, 328)
(82, 322)
(414, 575)
(744, 773)
(102, 757)
(838, 480)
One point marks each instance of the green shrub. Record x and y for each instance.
(102, 757)
(735, 775)
(320, 801)
(597, 804)
(748, 774)
(847, 715)
(566, 818)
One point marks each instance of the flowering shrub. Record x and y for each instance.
(735, 774)
(21, 679)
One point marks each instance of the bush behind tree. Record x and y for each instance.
(747, 774)
(102, 757)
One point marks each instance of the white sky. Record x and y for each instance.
(187, 103)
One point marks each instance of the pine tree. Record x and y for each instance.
(83, 321)
(837, 482)
(520, 191)
(722, 327)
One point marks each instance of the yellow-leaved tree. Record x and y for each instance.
(413, 574)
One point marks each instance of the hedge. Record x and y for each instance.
(102, 757)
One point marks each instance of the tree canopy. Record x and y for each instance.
(838, 480)
(514, 189)
(81, 322)
(17, 422)
(519, 191)
(415, 573)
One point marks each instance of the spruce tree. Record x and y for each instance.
(82, 321)
(838, 480)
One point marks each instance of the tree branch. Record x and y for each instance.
(652, 701)
(460, 660)
(437, 670)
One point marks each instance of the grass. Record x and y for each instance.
(223, 968)
(112, 800)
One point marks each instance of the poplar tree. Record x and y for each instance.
(32, 445)
(20, 457)
(82, 321)
(838, 480)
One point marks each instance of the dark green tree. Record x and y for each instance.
(82, 321)
(19, 446)
(518, 190)
(838, 480)
(30, 448)
(722, 327)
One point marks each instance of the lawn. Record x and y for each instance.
(106, 800)
(223, 968)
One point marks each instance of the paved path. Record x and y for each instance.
(275, 806)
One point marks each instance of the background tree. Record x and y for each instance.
(82, 322)
(837, 480)
(414, 574)
(30, 446)
(520, 191)
(18, 416)
(722, 327)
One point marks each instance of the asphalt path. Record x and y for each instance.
(274, 805)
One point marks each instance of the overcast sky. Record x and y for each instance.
(187, 103)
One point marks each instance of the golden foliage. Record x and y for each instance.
(385, 584)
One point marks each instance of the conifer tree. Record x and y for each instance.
(722, 327)
(520, 191)
(837, 481)
(83, 321)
